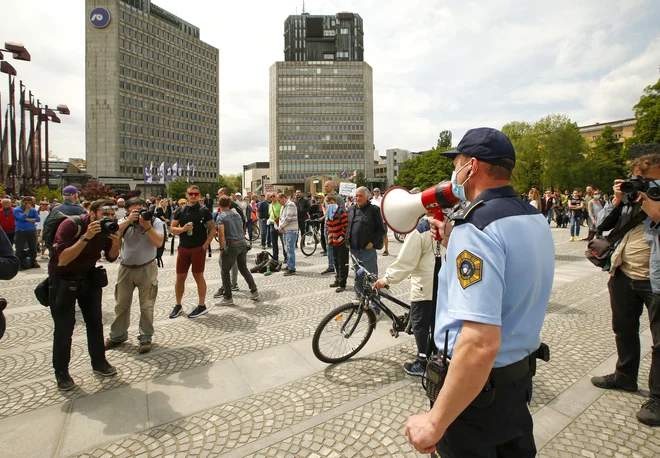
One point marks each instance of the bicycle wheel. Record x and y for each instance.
(331, 344)
(255, 234)
(308, 243)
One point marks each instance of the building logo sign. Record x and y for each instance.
(99, 17)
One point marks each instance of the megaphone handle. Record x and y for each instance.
(440, 216)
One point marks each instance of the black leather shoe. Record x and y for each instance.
(64, 381)
(106, 370)
(649, 414)
(334, 284)
(614, 382)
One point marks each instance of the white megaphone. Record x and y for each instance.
(402, 210)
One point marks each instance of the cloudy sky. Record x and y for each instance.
(437, 64)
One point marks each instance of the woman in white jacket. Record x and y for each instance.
(416, 259)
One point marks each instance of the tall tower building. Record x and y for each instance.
(151, 94)
(321, 101)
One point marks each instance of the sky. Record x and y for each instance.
(437, 65)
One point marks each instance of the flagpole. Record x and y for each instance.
(12, 131)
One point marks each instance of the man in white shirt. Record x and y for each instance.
(376, 200)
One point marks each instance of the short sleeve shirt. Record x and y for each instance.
(500, 275)
(137, 249)
(576, 202)
(199, 216)
(233, 224)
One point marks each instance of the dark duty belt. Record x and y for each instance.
(138, 266)
(517, 370)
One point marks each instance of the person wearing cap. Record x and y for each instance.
(491, 319)
(69, 205)
(376, 200)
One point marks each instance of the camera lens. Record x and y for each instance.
(653, 193)
(146, 215)
(629, 187)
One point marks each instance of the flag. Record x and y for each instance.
(150, 177)
(354, 174)
(169, 172)
(187, 171)
(146, 173)
(175, 170)
(161, 173)
(344, 174)
(180, 170)
(192, 172)
(4, 150)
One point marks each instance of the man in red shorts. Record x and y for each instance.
(193, 223)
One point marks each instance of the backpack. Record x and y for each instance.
(264, 259)
(161, 249)
(53, 222)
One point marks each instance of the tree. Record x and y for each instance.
(46, 192)
(444, 140)
(360, 179)
(647, 111)
(176, 189)
(606, 161)
(95, 189)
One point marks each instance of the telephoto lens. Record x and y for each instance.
(146, 214)
(108, 226)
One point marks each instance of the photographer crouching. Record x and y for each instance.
(634, 266)
(74, 276)
(142, 235)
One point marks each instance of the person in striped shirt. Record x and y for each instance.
(337, 225)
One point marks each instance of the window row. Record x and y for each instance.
(157, 120)
(327, 118)
(326, 99)
(324, 108)
(325, 137)
(305, 71)
(320, 90)
(137, 156)
(336, 128)
(147, 92)
(324, 147)
(158, 108)
(141, 143)
(321, 156)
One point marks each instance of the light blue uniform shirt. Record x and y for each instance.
(499, 271)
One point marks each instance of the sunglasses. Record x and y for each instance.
(193, 194)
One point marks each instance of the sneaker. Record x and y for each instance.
(219, 293)
(227, 301)
(145, 347)
(234, 287)
(176, 311)
(649, 413)
(613, 382)
(386, 253)
(288, 273)
(328, 271)
(111, 344)
(340, 289)
(415, 369)
(64, 381)
(255, 296)
(106, 370)
(199, 311)
(571, 239)
(334, 284)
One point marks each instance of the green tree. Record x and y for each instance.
(606, 161)
(176, 189)
(647, 111)
(444, 140)
(425, 170)
(360, 179)
(46, 192)
(529, 161)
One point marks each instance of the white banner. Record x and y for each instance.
(347, 189)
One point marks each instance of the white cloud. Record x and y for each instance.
(437, 64)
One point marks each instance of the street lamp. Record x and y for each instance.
(18, 50)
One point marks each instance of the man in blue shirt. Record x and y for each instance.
(493, 292)
(69, 205)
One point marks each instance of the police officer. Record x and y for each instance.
(493, 317)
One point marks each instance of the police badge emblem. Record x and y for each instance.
(469, 268)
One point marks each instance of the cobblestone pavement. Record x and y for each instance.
(242, 381)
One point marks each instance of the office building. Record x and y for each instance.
(396, 157)
(255, 177)
(321, 108)
(151, 94)
(320, 37)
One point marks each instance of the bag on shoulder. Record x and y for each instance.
(599, 249)
(53, 222)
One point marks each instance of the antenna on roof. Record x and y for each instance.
(303, 9)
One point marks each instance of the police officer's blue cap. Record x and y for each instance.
(487, 145)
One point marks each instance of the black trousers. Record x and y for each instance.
(322, 229)
(275, 237)
(301, 224)
(235, 254)
(63, 293)
(29, 238)
(340, 258)
(421, 314)
(627, 299)
(502, 430)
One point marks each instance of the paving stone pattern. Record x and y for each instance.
(358, 408)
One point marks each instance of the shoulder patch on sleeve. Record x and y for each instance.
(469, 269)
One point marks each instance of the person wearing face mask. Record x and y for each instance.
(492, 321)
(594, 207)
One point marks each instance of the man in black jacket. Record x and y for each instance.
(365, 233)
(303, 209)
(264, 228)
(9, 267)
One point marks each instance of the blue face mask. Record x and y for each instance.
(459, 189)
(597, 196)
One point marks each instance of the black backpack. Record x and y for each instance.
(161, 249)
(51, 224)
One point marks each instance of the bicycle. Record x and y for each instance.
(311, 238)
(348, 327)
(255, 232)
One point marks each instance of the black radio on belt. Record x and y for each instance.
(436, 372)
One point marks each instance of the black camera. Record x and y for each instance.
(637, 184)
(145, 214)
(108, 226)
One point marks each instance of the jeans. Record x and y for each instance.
(145, 279)
(421, 314)
(29, 238)
(548, 216)
(627, 299)
(235, 256)
(249, 228)
(63, 293)
(340, 255)
(289, 239)
(275, 237)
(369, 260)
(263, 228)
(576, 221)
(328, 248)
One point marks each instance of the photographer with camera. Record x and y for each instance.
(634, 267)
(73, 276)
(142, 234)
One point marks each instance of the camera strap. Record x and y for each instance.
(615, 237)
